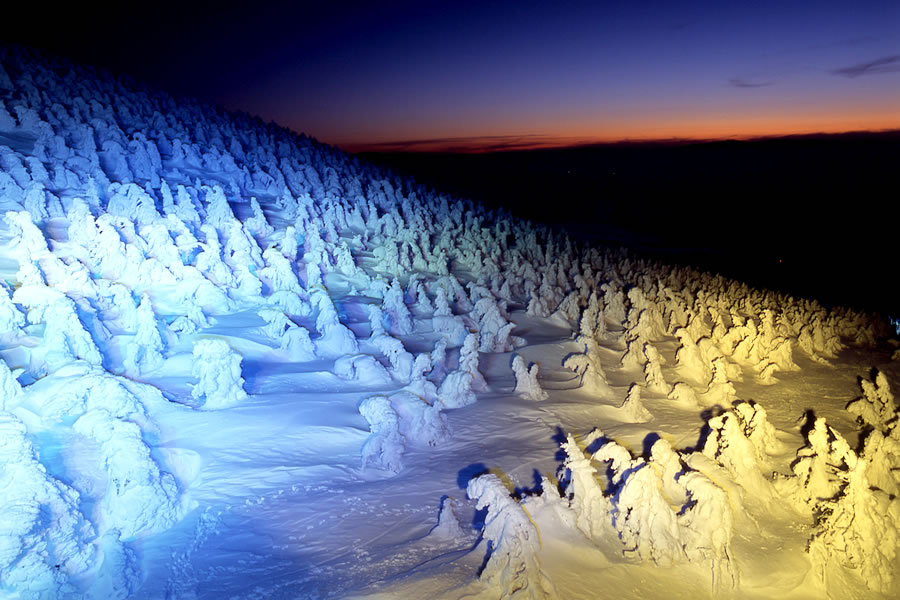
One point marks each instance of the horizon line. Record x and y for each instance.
(528, 142)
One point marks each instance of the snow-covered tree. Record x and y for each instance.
(589, 370)
(645, 521)
(139, 498)
(586, 496)
(218, 371)
(513, 569)
(707, 530)
(398, 319)
(527, 385)
(384, 448)
(144, 353)
(44, 537)
(876, 406)
(10, 388)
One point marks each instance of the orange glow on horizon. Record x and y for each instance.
(696, 127)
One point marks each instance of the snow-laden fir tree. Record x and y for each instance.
(44, 537)
(513, 569)
(653, 375)
(398, 319)
(143, 353)
(586, 497)
(876, 407)
(10, 388)
(527, 385)
(646, 523)
(632, 409)
(385, 446)
(139, 499)
(218, 371)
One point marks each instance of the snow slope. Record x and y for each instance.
(236, 363)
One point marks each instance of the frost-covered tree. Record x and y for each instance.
(419, 383)
(493, 329)
(12, 319)
(876, 407)
(257, 224)
(289, 243)
(296, 343)
(65, 335)
(218, 371)
(513, 569)
(185, 209)
(384, 448)
(209, 260)
(729, 443)
(721, 391)
(683, 396)
(421, 422)
(821, 466)
(707, 529)
(398, 319)
(401, 360)
(645, 521)
(527, 385)
(139, 498)
(632, 409)
(448, 527)
(27, 246)
(690, 362)
(653, 375)
(144, 353)
(857, 529)
(363, 368)
(10, 388)
(586, 496)
(587, 367)
(279, 272)
(44, 537)
(218, 210)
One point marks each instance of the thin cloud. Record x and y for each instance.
(885, 64)
(474, 144)
(743, 83)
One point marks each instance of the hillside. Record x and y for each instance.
(783, 213)
(238, 363)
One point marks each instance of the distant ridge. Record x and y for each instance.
(531, 142)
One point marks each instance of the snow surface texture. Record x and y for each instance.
(236, 363)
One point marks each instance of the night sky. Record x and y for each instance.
(488, 75)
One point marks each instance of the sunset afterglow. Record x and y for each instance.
(497, 75)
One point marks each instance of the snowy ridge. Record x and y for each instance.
(209, 321)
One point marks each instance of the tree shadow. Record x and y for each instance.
(598, 443)
(706, 430)
(535, 490)
(809, 423)
(466, 474)
(559, 437)
(650, 439)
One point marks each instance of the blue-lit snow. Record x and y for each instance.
(237, 363)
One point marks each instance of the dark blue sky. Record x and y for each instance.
(512, 73)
